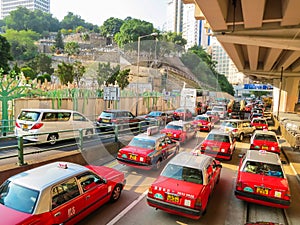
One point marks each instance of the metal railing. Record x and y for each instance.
(113, 134)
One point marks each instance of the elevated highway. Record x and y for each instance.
(262, 37)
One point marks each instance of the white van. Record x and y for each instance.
(221, 110)
(31, 122)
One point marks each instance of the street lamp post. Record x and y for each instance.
(138, 69)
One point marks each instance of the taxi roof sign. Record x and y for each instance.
(152, 130)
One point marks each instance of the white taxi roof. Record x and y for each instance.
(44, 176)
(268, 132)
(178, 122)
(47, 110)
(150, 137)
(263, 156)
(187, 159)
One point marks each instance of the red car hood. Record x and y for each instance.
(11, 216)
(203, 122)
(165, 130)
(263, 180)
(136, 150)
(179, 187)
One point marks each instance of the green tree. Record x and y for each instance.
(123, 78)
(111, 26)
(64, 72)
(71, 21)
(72, 48)
(173, 37)
(44, 77)
(131, 29)
(42, 63)
(22, 43)
(78, 71)
(59, 43)
(105, 71)
(5, 54)
(29, 73)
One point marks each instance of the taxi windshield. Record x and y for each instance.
(260, 121)
(142, 143)
(154, 114)
(174, 127)
(179, 172)
(201, 118)
(18, 197)
(263, 168)
(229, 124)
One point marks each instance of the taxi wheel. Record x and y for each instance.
(116, 193)
(52, 138)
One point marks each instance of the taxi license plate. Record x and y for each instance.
(262, 191)
(173, 198)
(132, 157)
(264, 147)
(199, 124)
(259, 127)
(25, 126)
(169, 134)
(105, 120)
(216, 149)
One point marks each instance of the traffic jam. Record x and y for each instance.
(186, 181)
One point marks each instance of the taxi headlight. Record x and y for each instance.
(141, 159)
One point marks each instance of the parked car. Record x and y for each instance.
(179, 130)
(238, 128)
(59, 124)
(58, 193)
(214, 116)
(221, 110)
(148, 150)
(159, 117)
(185, 185)
(265, 140)
(259, 123)
(203, 123)
(261, 180)
(218, 144)
(182, 114)
(122, 118)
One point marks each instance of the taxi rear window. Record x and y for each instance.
(218, 137)
(184, 173)
(263, 168)
(29, 116)
(142, 143)
(265, 137)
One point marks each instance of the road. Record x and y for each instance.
(223, 207)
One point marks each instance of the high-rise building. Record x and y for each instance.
(174, 15)
(10, 5)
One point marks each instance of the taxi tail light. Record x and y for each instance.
(235, 130)
(239, 185)
(150, 191)
(288, 194)
(37, 126)
(148, 160)
(18, 125)
(203, 147)
(198, 203)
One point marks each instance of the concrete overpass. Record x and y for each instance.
(262, 37)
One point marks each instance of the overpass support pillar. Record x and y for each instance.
(289, 94)
(291, 86)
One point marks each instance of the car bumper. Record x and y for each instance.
(262, 200)
(138, 165)
(174, 209)
(217, 155)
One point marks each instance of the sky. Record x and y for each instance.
(97, 11)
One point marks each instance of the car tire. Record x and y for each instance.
(52, 138)
(116, 193)
(241, 137)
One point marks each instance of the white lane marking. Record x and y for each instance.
(127, 209)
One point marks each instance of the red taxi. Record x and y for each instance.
(148, 150)
(185, 185)
(261, 180)
(259, 123)
(203, 123)
(218, 144)
(179, 130)
(182, 114)
(265, 140)
(58, 193)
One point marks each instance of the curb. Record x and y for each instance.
(291, 165)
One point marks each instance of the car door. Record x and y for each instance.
(95, 190)
(67, 202)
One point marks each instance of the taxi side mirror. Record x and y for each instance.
(217, 165)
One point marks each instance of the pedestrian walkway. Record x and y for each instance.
(292, 156)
